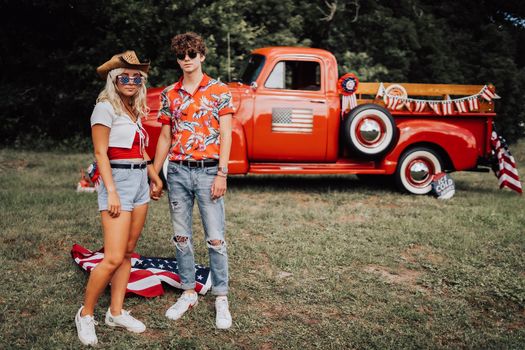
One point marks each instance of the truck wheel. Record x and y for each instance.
(416, 169)
(370, 131)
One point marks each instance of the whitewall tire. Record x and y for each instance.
(416, 169)
(370, 131)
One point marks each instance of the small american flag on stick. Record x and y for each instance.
(505, 169)
(292, 120)
(147, 273)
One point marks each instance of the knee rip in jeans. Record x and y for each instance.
(181, 242)
(174, 205)
(218, 245)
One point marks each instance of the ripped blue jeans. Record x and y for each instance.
(184, 185)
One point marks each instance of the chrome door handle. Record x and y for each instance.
(317, 101)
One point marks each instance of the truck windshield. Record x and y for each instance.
(252, 69)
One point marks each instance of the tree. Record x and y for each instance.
(49, 50)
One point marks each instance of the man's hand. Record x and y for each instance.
(155, 188)
(218, 188)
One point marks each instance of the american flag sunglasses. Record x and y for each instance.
(126, 79)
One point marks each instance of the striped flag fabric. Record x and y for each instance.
(447, 107)
(505, 169)
(420, 106)
(147, 273)
(487, 94)
(436, 107)
(348, 102)
(393, 102)
(408, 105)
(380, 91)
(292, 120)
(473, 104)
(461, 106)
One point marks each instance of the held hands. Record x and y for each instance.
(155, 188)
(218, 188)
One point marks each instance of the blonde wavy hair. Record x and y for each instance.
(110, 94)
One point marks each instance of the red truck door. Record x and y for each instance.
(291, 112)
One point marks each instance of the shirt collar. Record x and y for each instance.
(204, 81)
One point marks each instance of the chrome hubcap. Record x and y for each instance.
(370, 130)
(419, 171)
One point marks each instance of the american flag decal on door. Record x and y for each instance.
(292, 120)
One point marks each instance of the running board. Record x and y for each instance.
(316, 168)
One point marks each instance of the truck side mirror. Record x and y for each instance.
(254, 85)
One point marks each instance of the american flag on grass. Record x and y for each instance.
(292, 120)
(147, 273)
(505, 169)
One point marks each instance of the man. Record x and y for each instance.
(196, 113)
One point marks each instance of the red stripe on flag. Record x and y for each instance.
(149, 292)
(506, 171)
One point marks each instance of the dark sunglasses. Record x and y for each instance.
(126, 79)
(191, 55)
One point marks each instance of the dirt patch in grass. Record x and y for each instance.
(343, 219)
(266, 346)
(379, 202)
(417, 252)
(401, 276)
(154, 334)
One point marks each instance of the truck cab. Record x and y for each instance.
(286, 101)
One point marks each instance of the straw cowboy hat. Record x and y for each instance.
(127, 59)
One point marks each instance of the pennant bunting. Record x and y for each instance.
(473, 104)
(394, 102)
(436, 107)
(444, 107)
(447, 108)
(461, 106)
(420, 106)
(488, 94)
(380, 91)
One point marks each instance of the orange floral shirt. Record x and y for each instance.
(195, 119)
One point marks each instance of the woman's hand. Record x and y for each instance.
(155, 187)
(113, 204)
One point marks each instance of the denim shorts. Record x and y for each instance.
(132, 187)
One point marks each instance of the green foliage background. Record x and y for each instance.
(49, 49)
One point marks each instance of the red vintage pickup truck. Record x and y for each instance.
(294, 115)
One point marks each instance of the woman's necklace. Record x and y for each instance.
(130, 112)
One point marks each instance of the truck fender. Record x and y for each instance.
(238, 163)
(459, 144)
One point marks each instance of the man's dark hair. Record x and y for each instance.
(189, 41)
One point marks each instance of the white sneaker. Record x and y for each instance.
(186, 301)
(86, 328)
(223, 318)
(125, 320)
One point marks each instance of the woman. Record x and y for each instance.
(123, 194)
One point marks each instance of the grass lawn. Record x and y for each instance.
(315, 263)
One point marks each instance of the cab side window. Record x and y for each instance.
(295, 75)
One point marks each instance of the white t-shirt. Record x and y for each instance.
(123, 129)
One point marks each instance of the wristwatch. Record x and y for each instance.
(224, 170)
